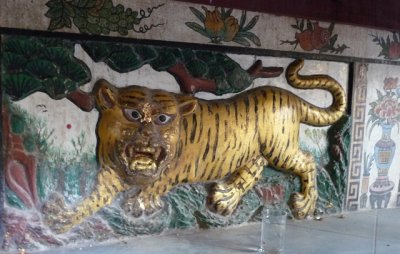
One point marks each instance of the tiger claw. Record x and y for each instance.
(133, 206)
(137, 206)
(223, 199)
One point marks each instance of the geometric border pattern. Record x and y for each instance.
(357, 138)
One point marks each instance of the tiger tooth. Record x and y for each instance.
(151, 150)
(133, 164)
(141, 167)
(157, 153)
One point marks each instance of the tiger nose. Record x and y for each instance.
(147, 130)
(144, 135)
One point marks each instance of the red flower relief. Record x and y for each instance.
(390, 83)
(388, 109)
(320, 36)
(394, 50)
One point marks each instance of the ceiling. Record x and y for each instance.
(382, 14)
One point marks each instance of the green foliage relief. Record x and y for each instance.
(97, 16)
(31, 64)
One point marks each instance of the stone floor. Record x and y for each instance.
(376, 231)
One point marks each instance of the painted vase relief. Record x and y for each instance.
(385, 113)
(311, 36)
(146, 178)
(390, 46)
(220, 26)
(98, 16)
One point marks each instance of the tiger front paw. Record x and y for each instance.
(223, 199)
(56, 214)
(139, 205)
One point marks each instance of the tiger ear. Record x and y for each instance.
(187, 104)
(105, 93)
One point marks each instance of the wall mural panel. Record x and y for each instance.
(177, 21)
(52, 165)
(377, 152)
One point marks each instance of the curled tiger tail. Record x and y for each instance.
(312, 114)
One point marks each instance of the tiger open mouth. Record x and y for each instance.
(144, 160)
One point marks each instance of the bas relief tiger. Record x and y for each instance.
(155, 140)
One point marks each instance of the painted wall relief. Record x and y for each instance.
(220, 26)
(385, 113)
(311, 36)
(51, 173)
(374, 178)
(390, 46)
(98, 17)
(154, 141)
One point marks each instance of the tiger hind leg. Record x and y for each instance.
(224, 196)
(302, 164)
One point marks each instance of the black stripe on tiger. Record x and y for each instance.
(207, 145)
(201, 123)
(271, 152)
(133, 95)
(264, 94)
(216, 136)
(204, 171)
(226, 130)
(179, 149)
(234, 139)
(227, 109)
(273, 101)
(235, 107)
(196, 165)
(210, 112)
(220, 168)
(255, 99)
(247, 109)
(247, 154)
(185, 126)
(194, 128)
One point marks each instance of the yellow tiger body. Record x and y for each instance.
(227, 142)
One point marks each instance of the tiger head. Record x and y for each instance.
(138, 129)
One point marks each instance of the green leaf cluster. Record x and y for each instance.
(32, 64)
(227, 74)
(94, 17)
(331, 47)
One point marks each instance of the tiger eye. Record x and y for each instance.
(162, 118)
(135, 114)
